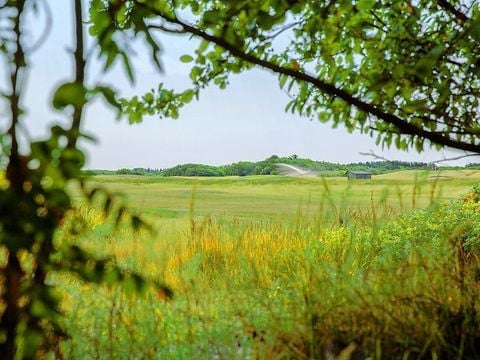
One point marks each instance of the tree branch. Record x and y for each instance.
(12, 272)
(18, 65)
(329, 89)
(282, 29)
(379, 157)
(444, 4)
(80, 63)
(165, 29)
(46, 31)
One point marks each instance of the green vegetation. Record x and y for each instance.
(345, 280)
(279, 267)
(269, 167)
(33, 197)
(394, 70)
(265, 197)
(473, 166)
(135, 171)
(193, 170)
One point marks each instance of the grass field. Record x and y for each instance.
(278, 267)
(264, 197)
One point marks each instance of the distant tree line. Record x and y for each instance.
(193, 170)
(473, 166)
(138, 171)
(269, 167)
(243, 168)
(124, 171)
(380, 167)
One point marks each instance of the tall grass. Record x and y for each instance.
(331, 282)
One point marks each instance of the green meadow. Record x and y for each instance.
(272, 267)
(266, 197)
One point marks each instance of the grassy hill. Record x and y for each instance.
(269, 166)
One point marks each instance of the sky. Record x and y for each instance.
(245, 122)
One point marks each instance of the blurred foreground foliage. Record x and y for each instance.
(33, 192)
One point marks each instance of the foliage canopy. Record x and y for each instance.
(407, 72)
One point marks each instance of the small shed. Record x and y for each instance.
(359, 175)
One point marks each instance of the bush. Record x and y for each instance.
(193, 170)
(420, 295)
(128, 172)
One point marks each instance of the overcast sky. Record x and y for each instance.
(246, 121)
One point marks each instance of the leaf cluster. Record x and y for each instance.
(405, 73)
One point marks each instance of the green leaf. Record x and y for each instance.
(74, 94)
(324, 117)
(174, 114)
(128, 67)
(365, 4)
(186, 58)
(187, 96)
(109, 95)
(282, 80)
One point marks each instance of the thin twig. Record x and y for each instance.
(165, 29)
(379, 157)
(453, 10)
(282, 29)
(46, 31)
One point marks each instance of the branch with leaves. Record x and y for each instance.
(396, 71)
